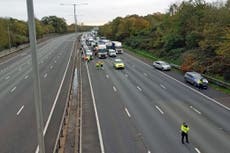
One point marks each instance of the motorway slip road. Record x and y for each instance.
(17, 113)
(140, 109)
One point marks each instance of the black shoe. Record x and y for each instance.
(182, 142)
(187, 142)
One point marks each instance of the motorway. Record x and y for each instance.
(17, 112)
(140, 110)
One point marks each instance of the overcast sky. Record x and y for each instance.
(96, 12)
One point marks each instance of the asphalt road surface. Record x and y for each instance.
(141, 109)
(18, 132)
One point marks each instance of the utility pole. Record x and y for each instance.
(36, 78)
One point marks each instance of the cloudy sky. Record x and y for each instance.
(96, 12)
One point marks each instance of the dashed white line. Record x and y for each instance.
(162, 86)
(183, 84)
(7, 77)
(45, 75)
(195, 109)
(197, 150)
(158, 108)
(26, 77)
(13, 89)
(127, 112)
(51, 67)
(55, 61)
(20, 110)
(114, 88)
(139, 88)
(107, 76)
(145, 74)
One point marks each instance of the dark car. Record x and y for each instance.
(196, 79)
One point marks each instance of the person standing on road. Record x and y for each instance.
(184, 132)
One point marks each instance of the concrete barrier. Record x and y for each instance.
(12, 50)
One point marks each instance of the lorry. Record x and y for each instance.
(117, 46)
(101, 51)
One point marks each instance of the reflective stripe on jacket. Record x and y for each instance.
(184, 129)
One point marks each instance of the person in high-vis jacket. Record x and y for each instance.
(184, 132)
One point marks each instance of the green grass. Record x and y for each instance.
(224, 90)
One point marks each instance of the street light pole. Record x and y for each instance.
(75, 14)
(8, 30)
(75, 19)
(36, 79)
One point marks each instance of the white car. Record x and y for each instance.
(161, 65)
(112, 53)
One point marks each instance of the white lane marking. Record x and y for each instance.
(127, 112)
(197, 150)
(107, 76)
(55, 61)
(145, 74)
(195, 109)
(51, 67)
(19, 111)
(158, 108)
(149, 151)
(26, 77)
(162, 86)
(114, 88)
(13, 89)
(7, 77)
(183, 84)
(45, 75)
(126, 75)
(95, 111)
(139, 88)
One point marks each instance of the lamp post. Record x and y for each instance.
(36, 78)
(75, 14)
(8, 30)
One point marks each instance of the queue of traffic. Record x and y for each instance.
(101, 48)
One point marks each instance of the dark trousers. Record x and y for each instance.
(184, 135)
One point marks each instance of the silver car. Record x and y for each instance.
(161, 65)
(196, 79)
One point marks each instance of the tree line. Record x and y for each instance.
(194, 33)
(14, 32)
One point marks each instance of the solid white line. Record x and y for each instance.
(127, 112)
(195, 109)
(56, 98)
(26, 77)
(183, 84)
(13, 89)
(20, 110)
(162, 86)
(107, 76)
(7, 77)
(45, 75)
(96, 114)
(114, 88)
(139, 88)
(158, 108)
(197, 150)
